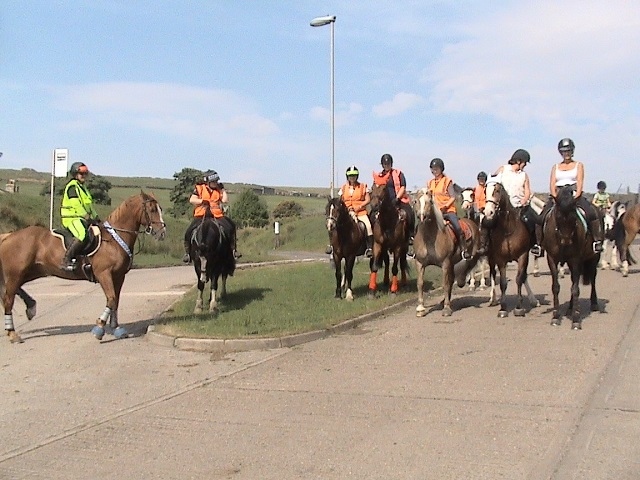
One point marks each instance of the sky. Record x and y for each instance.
(147, 88)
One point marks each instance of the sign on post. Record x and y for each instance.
(60, 161)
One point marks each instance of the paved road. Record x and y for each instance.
(465, 397)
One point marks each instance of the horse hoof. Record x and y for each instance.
(503, 314)
(31, 312)
(98, 332)
(576, 326)
(519, 312)
(595, 307)
(14, 337)
(120, 332)
(446, 312)
(556, 322)
(197, 310)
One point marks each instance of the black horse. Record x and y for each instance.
(567, 239)
(213, 260)
(347, 239)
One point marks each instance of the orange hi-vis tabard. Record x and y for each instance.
(214, 198)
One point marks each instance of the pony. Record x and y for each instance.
(213, 260)
(390, 235)
(482, 267)
(624, 231)
(435, 244)
(348, 240)
(567, 239)
(509, 240)
(35, 252)
(609, 249)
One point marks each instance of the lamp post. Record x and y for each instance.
(320, 22)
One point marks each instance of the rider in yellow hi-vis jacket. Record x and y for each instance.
(76, 212)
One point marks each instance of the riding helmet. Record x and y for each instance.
(78, 167)
(520, 155)
(602, 185)
(566, 145)
(211, 176)
(437, 163)
(352, 171)
(386, 158)
(482, 175)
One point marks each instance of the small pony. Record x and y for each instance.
(390, 234)
(348, 240)
(624, 231)
(435, 244)
(609, 256)
(213, 259)
(482, 267)
(567, 239)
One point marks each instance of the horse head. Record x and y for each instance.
(426, 209)
(468, 198)
(334, 212)
(497, 201)
(152, 216)
(566, 216)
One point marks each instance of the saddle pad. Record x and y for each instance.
(466, 230)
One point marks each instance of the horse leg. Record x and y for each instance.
(385, 280)
(373, 275)
(394, 272)
(420, 310)
(502, 313)
(213, 301)
(9, 298)
(447, 285)
(222, 293)
(29, 302)
(536, 267)
(574, 309)
(199, 301)
(403, 271)
(555, 290)
(349, 262)
(521, 278)
(111, 287)
(614, 257)
(606, 251)
(484, 266)
(337, 263)
(492, 276)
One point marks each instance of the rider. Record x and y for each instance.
(479, 195)
(356, 197)
(602, 199)
(397, 188)
(444, 195)
(213, 192)
(515, 182)
(570, 172)
(76, 213)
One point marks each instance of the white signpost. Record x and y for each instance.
(59, 167)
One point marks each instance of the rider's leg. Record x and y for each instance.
(537, 249)
(484, 240)
(79, 231)
(364, 218)
(455, 223)
(187, 239)
(234, 239)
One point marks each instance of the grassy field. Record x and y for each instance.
(281, 300)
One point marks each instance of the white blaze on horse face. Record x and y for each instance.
(491, 205)
(331, 222)
(422, 205)
(467, 199)
(163, 230)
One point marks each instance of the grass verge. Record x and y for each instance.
(272, 301)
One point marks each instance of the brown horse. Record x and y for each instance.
(435, 244)
(390, 235)
(510, 240)
(35, 252)
(567, 239)
(347, 239)
(624, 232)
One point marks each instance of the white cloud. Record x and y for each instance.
(344, 114)
(400, 103)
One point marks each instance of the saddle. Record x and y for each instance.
(91, 243)
(467, 233)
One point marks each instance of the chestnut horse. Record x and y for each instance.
(347, 239)
(510, 240)
(390, 235)
(435, 244)
(567, 239)
(625, 229)
(213, 259)
(35, 252)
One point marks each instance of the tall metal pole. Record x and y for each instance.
(333, 128)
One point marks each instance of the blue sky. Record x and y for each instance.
(146, 88)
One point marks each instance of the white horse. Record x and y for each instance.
(481, 271)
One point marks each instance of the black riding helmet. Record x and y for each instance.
(437, 162)
(566, 145)
(386, 158)
(78, 167)
(602, 185)
(520, 155)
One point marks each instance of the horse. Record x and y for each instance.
(390, 234)
(213, 260)
(435, 244)
(567, 239)
(482, 267)
(609, 256)
(348, 240)
(509, 240)
(624, 232)
(35, 252)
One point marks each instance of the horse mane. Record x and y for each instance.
(136, 200)
(565, 200)
(433, 210)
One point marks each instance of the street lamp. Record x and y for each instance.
(321, 22)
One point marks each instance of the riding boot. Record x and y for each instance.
(236, 253)
(369, 251)
(187, 253)
(463, 246)
(484, 242)
(328, 250)
(69, 262)
(537, 249)
(596, 231)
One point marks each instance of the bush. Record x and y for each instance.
(249, 210)
(288, 208)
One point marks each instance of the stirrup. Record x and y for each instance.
(236, 254)
(328, 250)
(186, 258)
(597, 247)
(465, 254)
(537, 251)
(69, 266)
(368, 253)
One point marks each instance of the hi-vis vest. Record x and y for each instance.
(73, 208)
(354, 200)
(211, 196)
(440, 190)
(480, 198)
(382, 178)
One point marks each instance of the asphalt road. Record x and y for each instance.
(470, 396)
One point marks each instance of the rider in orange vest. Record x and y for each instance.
(441, 188)
(397, 186)
(356, 197)
(210, 190)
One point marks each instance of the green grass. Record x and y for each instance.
(280, 300)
